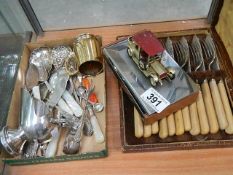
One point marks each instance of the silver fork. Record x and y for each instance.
(185, 47)
(208, 112)
(198, 61)
(197, 109)
(223, 119)
(209, 59)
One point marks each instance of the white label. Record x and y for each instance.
(155, 100)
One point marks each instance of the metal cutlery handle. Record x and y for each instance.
(221, 116)
(212, 118)
(227, 107)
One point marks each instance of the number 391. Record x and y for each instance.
(154, 99)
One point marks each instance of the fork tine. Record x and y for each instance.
(192, 60)
(194, 52)
(211, 54)
(211, 44)
(163, 43)
(169, 47)
(204, 53)
(177, 53)
(180, 54)
(183, 57)
(195, 59)
(185, 50)
(198, 52)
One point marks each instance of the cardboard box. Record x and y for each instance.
(89, 148)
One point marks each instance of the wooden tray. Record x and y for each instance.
(186, 141)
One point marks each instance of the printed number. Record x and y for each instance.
(152, 98)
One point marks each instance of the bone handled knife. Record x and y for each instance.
(221, 116)
(73, 105)
(212, 118)
(138, 125)
(186, 118)
(179, 123)
(204, 125)
(53, 144)
(171, 125)
(194, 119)
(147, 130)
(163, 129)
(155, 127)
(99, 137)
(227, 107)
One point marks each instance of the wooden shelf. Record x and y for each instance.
(204, 161)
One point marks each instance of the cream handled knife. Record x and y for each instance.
(99, 137)
(212, 62)
(204, 125)
(163, 129)
(194, 119)
(227, 107)
(138, 125)
(179, 123)
(212, 118)
(73, 105)
(53, 144)
(155, 127)
(222, 120)
(171, 125)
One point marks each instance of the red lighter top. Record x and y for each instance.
(148, 43)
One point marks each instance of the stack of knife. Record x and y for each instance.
(212, 110)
